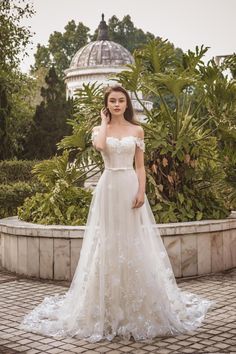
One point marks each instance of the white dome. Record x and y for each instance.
(99, 62)
(101, 53)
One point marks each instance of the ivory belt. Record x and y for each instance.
(119, 168)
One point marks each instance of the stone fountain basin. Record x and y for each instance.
(52, 252)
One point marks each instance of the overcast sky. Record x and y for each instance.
(186, 23)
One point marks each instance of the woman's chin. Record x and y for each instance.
(117, 114)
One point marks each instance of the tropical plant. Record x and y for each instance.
(230, 63)
(180, 144)
(63, 201)
(184, 159)
(220, 104)
(87, 105)
(180, 139)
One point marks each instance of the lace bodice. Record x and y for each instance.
(119, 153)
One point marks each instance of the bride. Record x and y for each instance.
(124, 283)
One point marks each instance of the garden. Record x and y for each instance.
(46, 152)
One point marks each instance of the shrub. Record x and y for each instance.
(64, 205)
(64, 201)
(16, 170)
(12, 196)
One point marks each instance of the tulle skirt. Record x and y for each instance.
(124, 283)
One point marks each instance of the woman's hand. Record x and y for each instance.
(105, 115)
(138, 200)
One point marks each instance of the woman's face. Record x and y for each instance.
(116, 103)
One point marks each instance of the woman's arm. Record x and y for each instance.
(99, 133)
(140, 170)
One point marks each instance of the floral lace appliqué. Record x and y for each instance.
(140, 143)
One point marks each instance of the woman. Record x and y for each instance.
(124, 283)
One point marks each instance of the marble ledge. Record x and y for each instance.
(14, 226)
(195, 227)
(55, 250)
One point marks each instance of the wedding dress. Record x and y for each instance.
(124, 283)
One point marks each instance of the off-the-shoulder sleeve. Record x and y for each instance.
(140, 143)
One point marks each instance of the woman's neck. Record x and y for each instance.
(118, 121)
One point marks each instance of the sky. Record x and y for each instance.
(185, 23)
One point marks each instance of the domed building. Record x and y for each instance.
(96, 62)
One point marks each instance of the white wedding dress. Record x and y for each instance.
(124, 284)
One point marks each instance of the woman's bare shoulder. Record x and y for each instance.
(139, 131)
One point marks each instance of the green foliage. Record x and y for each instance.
(230, 63)
(15, 171)
(13, 195)
(49, 172)
(156, 57)
(230, 179)
(125, 33)
(220, 104)
(188, 142)
(61, 48)
(183, 162)
(5, 108)
(16, 184)
(190, 205)
(19, 117)
(14, 37)
(180, 130)
(63, 205)
(187, 172)
(87, 106)
(228, 148)
(49, 122)
(64, 201)
(221, 94)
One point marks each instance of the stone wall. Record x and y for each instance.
(52, 252)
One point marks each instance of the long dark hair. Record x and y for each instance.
(129, 112)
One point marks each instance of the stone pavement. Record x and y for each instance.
(217, 335)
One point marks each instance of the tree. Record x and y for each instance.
(49, 121)
(125, 33)
(42, 58)
(13, 38)
(61, 48)
(19, 118)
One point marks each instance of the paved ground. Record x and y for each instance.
(217, 335)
